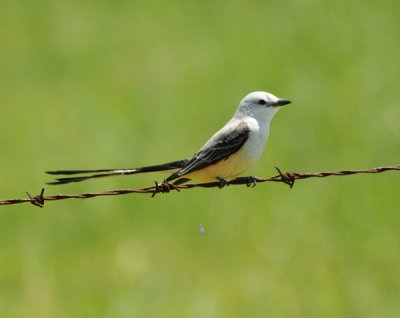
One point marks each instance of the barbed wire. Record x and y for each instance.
(288, 178)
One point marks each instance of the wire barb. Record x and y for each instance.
(286, 177)
(37, 200)
(166, 187)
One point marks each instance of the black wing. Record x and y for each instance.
(219, 149)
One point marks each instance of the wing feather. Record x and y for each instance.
(223, 146)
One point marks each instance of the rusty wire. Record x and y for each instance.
(287, 178)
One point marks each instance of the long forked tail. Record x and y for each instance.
(100, 173)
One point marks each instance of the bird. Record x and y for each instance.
(230, 152)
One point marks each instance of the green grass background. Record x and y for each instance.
(98, 84)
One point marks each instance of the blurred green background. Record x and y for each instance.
(105, 84)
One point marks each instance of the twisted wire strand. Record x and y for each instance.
(287, 178)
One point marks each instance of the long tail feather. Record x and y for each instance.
(93, 176)
(69, 172)
(100, 173)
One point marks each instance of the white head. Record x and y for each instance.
(260, 105)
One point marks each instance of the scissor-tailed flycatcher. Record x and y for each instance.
(232, 150)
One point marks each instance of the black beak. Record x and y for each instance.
(282, 102)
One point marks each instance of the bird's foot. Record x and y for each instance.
(251, 181)
(222, 182)
(286, 177)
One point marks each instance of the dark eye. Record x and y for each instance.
(262, 102)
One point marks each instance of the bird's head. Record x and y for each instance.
(260, 105)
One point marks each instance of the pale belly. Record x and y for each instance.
(235, 165)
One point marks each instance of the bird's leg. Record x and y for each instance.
(248, 181)
(222, 182)
(251, 181)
